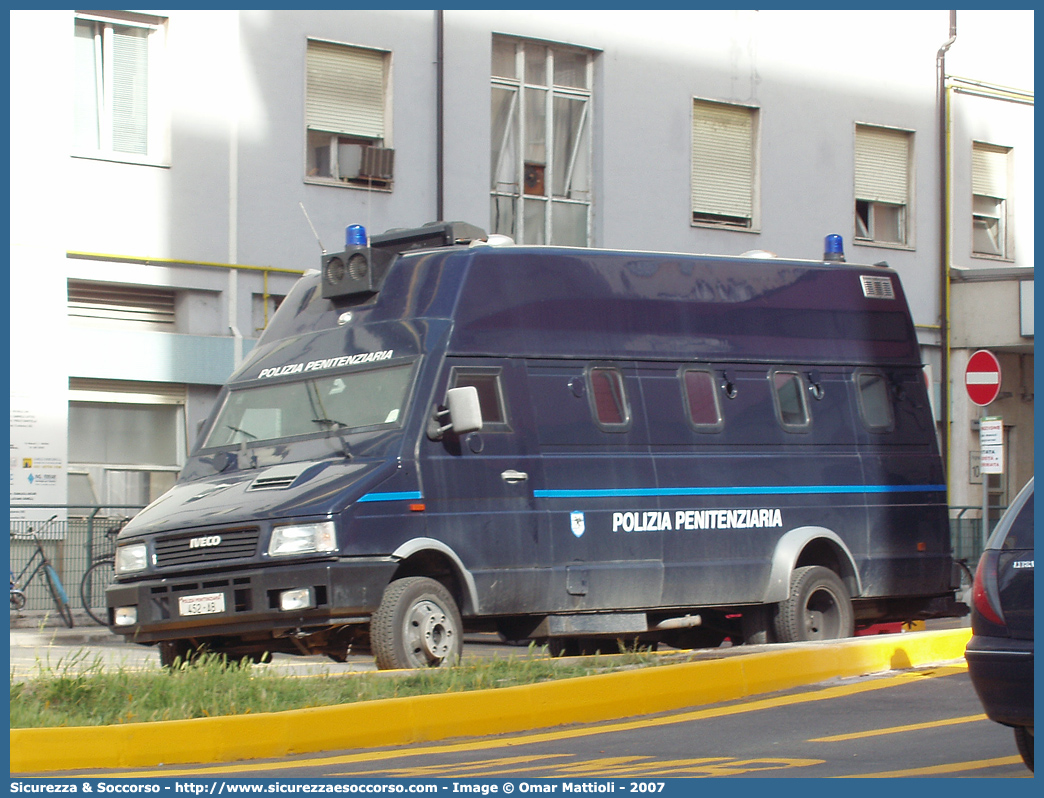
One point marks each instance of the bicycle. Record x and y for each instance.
(39, 562)
(98, 577)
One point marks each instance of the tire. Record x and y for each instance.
(176, 653)
(61, 600)
(818, 608)
(1024, 742)
(417, 625)
(17, 600)
(92, 590)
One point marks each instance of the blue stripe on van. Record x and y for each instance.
(780, 490)
(391, 497)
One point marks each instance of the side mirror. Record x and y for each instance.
(463, 413)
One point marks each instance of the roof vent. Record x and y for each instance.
(877, 287)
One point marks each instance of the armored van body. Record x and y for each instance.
(573, 446)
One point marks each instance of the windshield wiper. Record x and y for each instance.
(243, 431)
(340, 426)
(330, 422)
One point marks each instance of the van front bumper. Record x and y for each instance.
(248, 602)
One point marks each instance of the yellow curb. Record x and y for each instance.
(401, 721)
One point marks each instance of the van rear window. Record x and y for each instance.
(791, 406)
(608, 400)
(701, 400)
(875, 401)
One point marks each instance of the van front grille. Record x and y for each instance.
(207, 547)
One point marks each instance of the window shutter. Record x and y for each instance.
(88, 389)
(882, 165)
(121, 302)
(989, 171)
(722, 160)
(130, 89)
(345, 90)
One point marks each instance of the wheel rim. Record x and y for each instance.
(429, 634)
(822, 616)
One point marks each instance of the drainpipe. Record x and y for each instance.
(439, 66)
(943, 100)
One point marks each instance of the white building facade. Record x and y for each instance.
(193, 163)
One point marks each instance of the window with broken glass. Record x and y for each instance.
(541, 143)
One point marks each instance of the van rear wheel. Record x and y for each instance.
(417, 625)
(819, 607)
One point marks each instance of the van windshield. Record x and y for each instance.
(330, 402)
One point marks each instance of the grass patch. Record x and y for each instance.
(81, 691)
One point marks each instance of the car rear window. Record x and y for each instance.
(1020, 536)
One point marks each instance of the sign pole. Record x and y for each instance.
(982, 380)
(985, 483)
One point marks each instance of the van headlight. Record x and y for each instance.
(131, 558)
(303, 539)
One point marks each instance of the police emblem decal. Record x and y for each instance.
(576, 522)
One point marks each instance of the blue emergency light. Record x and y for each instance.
(834, 248)
(355, 236)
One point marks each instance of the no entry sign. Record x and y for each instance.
(982, 377)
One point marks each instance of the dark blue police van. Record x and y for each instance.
(572, 446)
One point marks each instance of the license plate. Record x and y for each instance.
(203, 604)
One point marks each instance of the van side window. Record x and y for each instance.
(608, 400)
(791, 406)
(701, 400)
(875, 401)
(491, 397)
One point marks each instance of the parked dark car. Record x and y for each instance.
(1000, 652)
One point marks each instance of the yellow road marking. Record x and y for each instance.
(838, 691)
(462, 769)
(939, 770)
(837, 738)
(607, 768)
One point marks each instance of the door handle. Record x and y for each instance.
(513, 476)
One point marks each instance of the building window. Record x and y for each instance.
(990, 200)
(882, 185)
(112, 305)
(127, 440)
(117, 61)
(541, 143)
(263, 308)
(724, 180)
(347, 115)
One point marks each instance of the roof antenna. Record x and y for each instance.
(321, 247)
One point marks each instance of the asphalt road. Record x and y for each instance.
(924, 722)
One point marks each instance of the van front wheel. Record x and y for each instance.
(818, 608)
(417, 625)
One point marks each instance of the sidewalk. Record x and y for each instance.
(35, 628)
